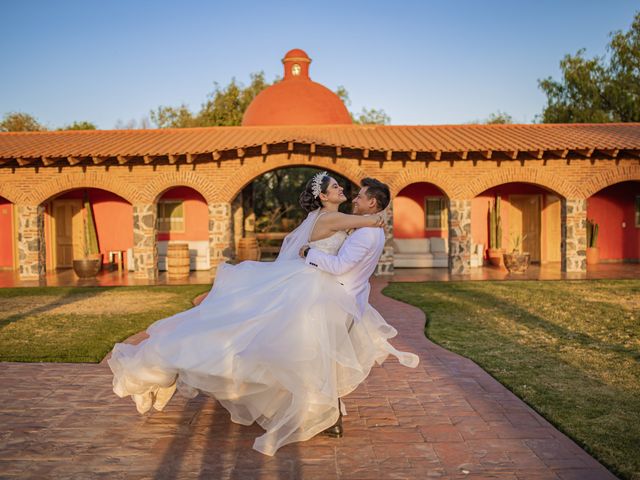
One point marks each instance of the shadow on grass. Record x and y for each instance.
(603, 418)
(525, 317)
(70, 296)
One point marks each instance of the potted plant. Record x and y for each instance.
(517, 261)
(91, 262)
(495, 251)
(593, 252)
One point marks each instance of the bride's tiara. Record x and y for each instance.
(316, 183)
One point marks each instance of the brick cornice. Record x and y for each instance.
(165, 181)
(408, 176)
(535, 175)
(70, 181)
(258, 166)
(11, 193)
(610, 177)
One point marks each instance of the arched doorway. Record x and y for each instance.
(268, 208)
(530, 220)
(64, 224)
(183, 216)
(616, 211)
(7, 240)
(420, 227)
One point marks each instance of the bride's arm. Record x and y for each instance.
(342, 221)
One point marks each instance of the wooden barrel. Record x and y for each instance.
(248, 249)
(178, 260)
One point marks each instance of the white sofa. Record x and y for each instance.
(198, 255)
(420, 252)
(429, 253)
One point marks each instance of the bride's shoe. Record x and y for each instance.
(162, 396)
(143, 402)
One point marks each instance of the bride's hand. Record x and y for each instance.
(380, 222)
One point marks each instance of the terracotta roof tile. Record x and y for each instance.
(444, 138)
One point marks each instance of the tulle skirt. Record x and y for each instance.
(275, 343)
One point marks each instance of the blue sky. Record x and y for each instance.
(423, 62)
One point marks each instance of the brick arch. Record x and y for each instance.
(11, 193)
(72, 181)
(537, 176)
(248, 173)
(610, 177)
(154, 189)
(410, 176)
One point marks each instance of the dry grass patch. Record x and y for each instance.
(81, 324)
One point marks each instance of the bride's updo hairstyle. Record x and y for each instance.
(310, 197)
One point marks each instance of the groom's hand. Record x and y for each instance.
(303, 251)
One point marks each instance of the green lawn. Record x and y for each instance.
(570, 349)
(81, 324)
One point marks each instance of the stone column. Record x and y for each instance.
(238, 220)
(31, 243)
(574, 235)
(145, 250)
(220, 234)
(385, 264)
(460, 236)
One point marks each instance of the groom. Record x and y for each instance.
(359, 254)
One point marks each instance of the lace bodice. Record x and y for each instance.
(331, 244)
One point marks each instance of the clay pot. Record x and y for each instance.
(593, 255)
(517, 262)
(495, 257)
(87, 267)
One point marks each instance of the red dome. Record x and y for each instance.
(296, 100)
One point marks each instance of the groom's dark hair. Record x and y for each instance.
(378, 190)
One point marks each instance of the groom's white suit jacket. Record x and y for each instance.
(354, 263)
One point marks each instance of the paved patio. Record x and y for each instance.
(445, 419)
(550, 271)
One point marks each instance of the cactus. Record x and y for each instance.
(495, 225)
(592, 234)
(90, 234)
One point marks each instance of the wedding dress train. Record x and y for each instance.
(275, 343)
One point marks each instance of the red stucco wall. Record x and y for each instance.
(196, 215)
(408, 211)
(113, 216)
(609, 208)
(6, 234)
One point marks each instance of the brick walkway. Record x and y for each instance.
(445, 419)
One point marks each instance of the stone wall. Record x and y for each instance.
(145, 250)
(460, 236)
(574, 235)
(31, 241)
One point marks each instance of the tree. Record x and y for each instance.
(367, 116)
(20, 122)
(371, 116)
(133, 124)
(79, 126)
(601, 89)
(499, 118)
(225, 106)
(275, 195)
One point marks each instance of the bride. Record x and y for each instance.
(275, 343)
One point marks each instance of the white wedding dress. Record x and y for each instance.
(275, 343)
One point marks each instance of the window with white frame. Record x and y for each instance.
(171, 216)
(435, 211)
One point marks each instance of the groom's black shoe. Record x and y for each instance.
(336, 430)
